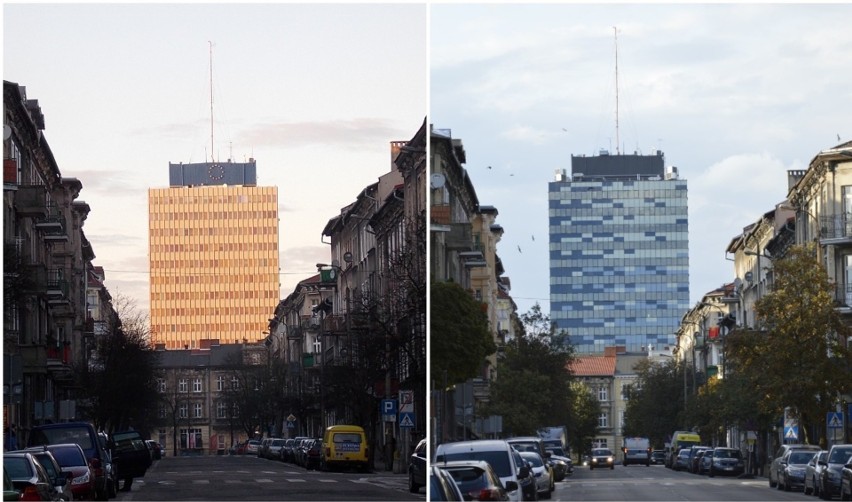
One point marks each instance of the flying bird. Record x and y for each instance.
(533, 237)
(489, 167)
(519, 249)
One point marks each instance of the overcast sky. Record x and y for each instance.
(315, 93)
(734, 95)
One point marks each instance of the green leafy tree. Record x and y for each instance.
(801, 346)
(583, 424)
(655, 405)
(459, 339)
(532, 361)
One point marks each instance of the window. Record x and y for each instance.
(197, 410)
(221, 410)
(196, 385)
(235, 383)
(603, 393)
(220, 383)
(161, 385)
(183, 385)
(603, 420)
(161, 412)
(183, 411)
(190, 439)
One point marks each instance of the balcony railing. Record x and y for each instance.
(52, 224)
(31, 200)
(836, 226)
(57, 286)
(843, 295)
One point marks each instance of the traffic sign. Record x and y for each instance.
(406, 401)
(388, 408)
(834, 420)
(406, 419)
(791, 432)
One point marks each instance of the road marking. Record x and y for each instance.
(296, 480)
(263, 480)
(201, 481)
(328, 481)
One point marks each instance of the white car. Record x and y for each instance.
(545, 484)
(496, 452)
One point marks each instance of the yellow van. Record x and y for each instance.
(344, 446)
(680, 440)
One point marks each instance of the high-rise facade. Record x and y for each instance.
(213, 248)
(619, 252)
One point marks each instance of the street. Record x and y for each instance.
(246, 477)
(656, 483)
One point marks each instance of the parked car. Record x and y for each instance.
(724, 461)
(313, 454)
(602, 457)
(533, 443)
(562, 463)
(476, 480)
(85, 435)
(812, 471)
(793, 466)
(775, 465)
(273, 450)
(130, 456)
(252, 446)
(61, 481)
(345, 446)
(28, 476)
(9, 491)
(692, 463)
(545, 484)
(846, 481)
(109, 467)
(526, 479)
(442, 487)
(838, 456)
(496, 452)
(658, 457)
(417, 467)
(72, 460)
(681, 462)
(155, 448)
(698, 461)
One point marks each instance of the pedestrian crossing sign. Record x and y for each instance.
(406, 419)
(791, 432)
(834, 420)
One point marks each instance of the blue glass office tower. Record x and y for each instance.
(619, 252)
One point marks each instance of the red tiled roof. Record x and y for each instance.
(594, 366)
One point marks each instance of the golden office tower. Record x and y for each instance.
(213, 248)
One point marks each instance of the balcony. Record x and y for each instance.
(335, 324)
(308, 361)
(31, 201)
(57, 286)
(460, 236)
(836, 229)
(10, 174)
(440, 214)
(294, 332)
(843, 296)
(53, 224)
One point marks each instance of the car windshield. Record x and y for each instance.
(18, 467)
(601, 452)
(726, 454)
(68, 457)
(840, 455)
(79, 435)
(532, 458)
(524, 446)
(556, 451)
(468, 479)
(800, 457)
(499, 460)
(45, 461)
(278, 442)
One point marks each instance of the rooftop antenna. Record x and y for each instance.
(617, 140)
(211, 100)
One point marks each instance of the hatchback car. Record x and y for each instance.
(658, 457)
(829, 484)
(504, 459)
(812, 472)
(61, 481)
(727, 461)
(28, 476)
(602, 457)
(71, 459)
(682, 460)
(85, 435)
(476, 480)
(442, 487)
(543, 479)
(793, 466)
(846, 482)
(417, 467)
(775, 466)
(273, 450)
(252, 446)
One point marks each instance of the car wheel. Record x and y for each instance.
(412, 486)
(711, 473)
(112, 490)
(787, 486)
(612, 467)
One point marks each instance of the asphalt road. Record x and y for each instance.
(656, 483)
(246, 477)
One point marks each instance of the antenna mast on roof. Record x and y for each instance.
(617, 140)
(211, 100)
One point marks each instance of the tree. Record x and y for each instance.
(532, 387)
(801, 347)
(119, 386)
(459, 339)
(655, 403)
(583, 424)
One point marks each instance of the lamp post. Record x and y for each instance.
(328, 273)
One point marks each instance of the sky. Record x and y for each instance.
(733, 95)
(314, 93)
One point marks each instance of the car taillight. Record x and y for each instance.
(486, 494)
(328, 452)
(30, 493)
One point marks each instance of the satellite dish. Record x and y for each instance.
(7, 131)
(437, 180)
(347, 257)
